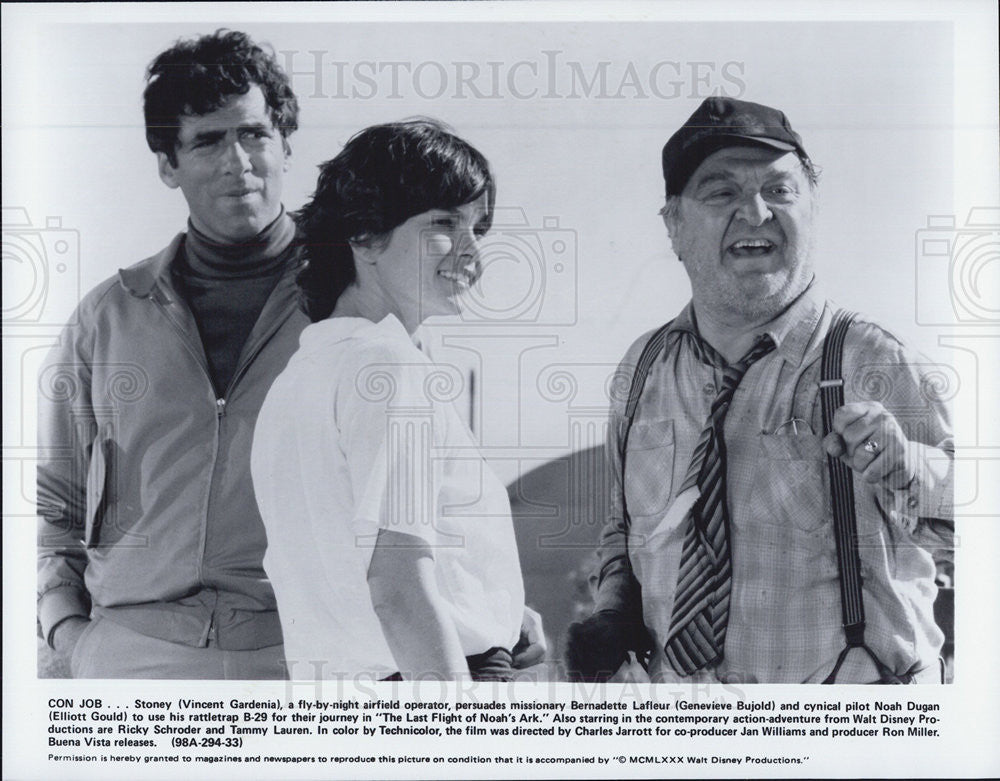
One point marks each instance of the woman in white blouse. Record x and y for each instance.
(390, 543)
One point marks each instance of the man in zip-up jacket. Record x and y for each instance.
(150, 541)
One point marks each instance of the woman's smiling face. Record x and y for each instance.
(427, 262)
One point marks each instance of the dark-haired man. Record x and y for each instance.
(150, 541)
(721, 539)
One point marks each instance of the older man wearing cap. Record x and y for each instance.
(759, 532)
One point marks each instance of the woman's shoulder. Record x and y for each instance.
(355, 339)
(378, 362)
(385, 341)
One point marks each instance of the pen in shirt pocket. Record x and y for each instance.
(794, 427)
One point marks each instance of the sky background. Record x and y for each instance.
(896, 101)
(572, 116)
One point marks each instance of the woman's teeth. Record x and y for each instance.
(463, 277)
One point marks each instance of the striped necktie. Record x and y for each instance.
(698, 623)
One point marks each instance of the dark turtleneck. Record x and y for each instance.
(227, 285)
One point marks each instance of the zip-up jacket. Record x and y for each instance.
(147, 514)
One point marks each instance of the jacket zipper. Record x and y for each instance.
(196, 349)
(220, 406)
(220, 403)
(244, 365)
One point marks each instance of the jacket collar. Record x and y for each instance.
(141, 279)
(152, 276)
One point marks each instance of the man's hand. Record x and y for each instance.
(67, 634)
(597, 646)
(531, 645)
(868, 439)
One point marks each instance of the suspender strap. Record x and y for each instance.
(649, 353)
(653, 348)
(845, 522)
(842, 484)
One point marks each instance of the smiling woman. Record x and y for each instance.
(421, 268)
(409, 191)
(360, 462)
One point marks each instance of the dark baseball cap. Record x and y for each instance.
(721, 122)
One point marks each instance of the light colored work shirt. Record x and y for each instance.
(785, 620)
(356, 435)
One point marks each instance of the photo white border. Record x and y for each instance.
(972, 704)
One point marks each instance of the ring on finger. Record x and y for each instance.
(870, 446)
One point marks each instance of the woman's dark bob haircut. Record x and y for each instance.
(385, 175)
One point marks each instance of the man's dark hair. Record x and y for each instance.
(197, 76)
(385, 175)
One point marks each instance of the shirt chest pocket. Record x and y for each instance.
(789, 482)
(649, 468)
